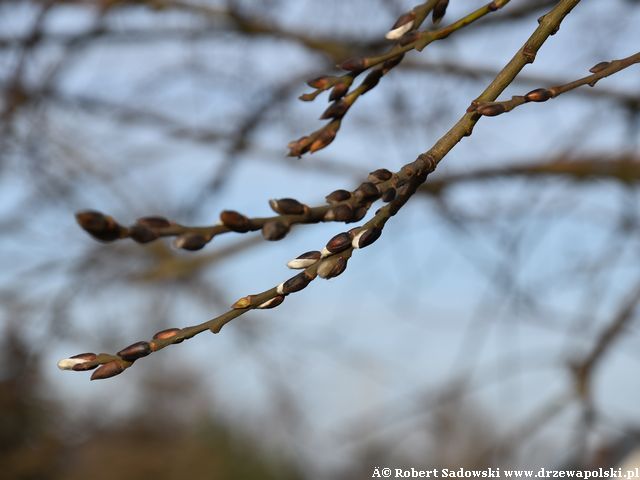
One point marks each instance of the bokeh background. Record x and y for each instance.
(493, 324)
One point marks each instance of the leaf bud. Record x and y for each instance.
(272, 303)
(191, 241)
(403, 24)
(288, 206)
(135, 351)
(235, 221)
(338, 243)
(338, 196)
(439, 11)
(366, 237)
(305, 260)
(538, 95)
(380, 175)
(490, 109)
(332, 267)
(275, 230)
(107, 370)
(294, 284)
(167, 334)
(598, 67)
(99, 226)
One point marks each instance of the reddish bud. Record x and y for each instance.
(372, 79)
(538, 95)
(339, 91)
(135, 351)
(490, 109)
(167, 334)
(338, 243)
(322, 83)
(235, 221)
(107, 370)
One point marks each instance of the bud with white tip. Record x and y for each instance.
(366, 237)
(76, 361)
(305, 260)
(332, 267)
(272, 303)
(403, 25)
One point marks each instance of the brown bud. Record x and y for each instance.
(359, 214)
(372, 79)
(332, 267)
(190, 241)
(272, 303)
(338, 196)
(107, 370)
(366, 237)
(167, 334)
(298, 147)
(135, 351)
(354, 64)
(142, 234)
(538, 95)
(380, 175)
(439, 11)
(472, 107)
(88, 358)
(294, 284)
(598, 67)
(339, 213)
(403, 24)
(322, 83)
(389, 195)
(154, 223)
(367, 190)
(491, 109)
(244, 302)
(274, 230)
(305, 260)
(336, 110)
(235, 221)
(338, 243)
(339, 91)
(288, 206)
(99, 226)
(326, 136)
(392, 62)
